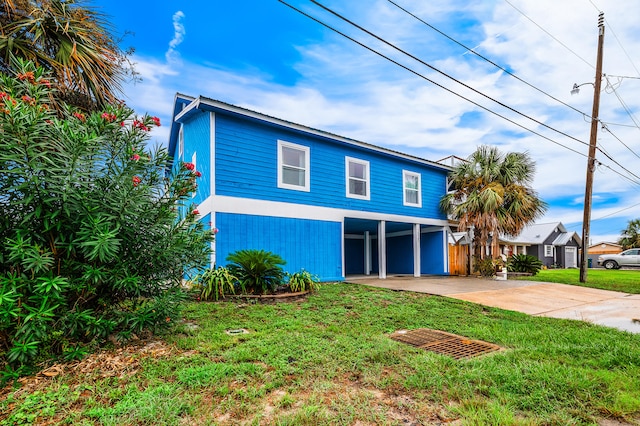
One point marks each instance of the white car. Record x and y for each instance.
(629, 257)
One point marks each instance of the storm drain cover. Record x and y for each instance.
(444, 343)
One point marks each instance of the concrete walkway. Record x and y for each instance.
(608, 308)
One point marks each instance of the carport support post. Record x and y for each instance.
(367, 253)
(416, 250)
(382, 250)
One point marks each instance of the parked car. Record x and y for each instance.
(629, 257)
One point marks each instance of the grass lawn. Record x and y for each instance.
(328, 360)
(627, 281)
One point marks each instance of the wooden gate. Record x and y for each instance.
(459, 259)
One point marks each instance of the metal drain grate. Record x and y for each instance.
(444, 343)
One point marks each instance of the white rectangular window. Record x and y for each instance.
(548, 251)
(181, 142)
(358, 184)
(412, 189)
(293, 166)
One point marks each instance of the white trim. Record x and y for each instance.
(252, 206)
(382, 250)
(406, 173)
(343, 272)
(367, 253)
(366, 180)
(548, 247)
(445, 246)
(212, 177)
(306, 169)
(416, 250)
(180, 141)
(194, 160)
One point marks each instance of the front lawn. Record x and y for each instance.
(626, 281)
(329, 360)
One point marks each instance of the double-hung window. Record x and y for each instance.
(293, 166)
(358, 184)
(411, 184)
(548, 250)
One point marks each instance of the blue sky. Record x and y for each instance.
(263, 55)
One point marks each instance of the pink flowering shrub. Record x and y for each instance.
(94, 241)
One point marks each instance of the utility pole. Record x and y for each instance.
(591, 161)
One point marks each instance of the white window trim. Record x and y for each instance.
(194, 159)
(406, 173)
(367, 178)
(548, 250)
(307, 166)
(181, 142)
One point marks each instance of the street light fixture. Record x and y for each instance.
(576, 87)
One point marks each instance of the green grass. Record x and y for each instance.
(627, 281)
(329, 360)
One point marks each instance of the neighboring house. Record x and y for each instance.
(596, 250)
(549, 242)
(331, 205)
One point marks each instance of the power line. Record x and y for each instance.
(549, 34)
(622, 102)
(616, 212)
(604, 127)
(415, 58)
(457, 94)
(460, 82)
(472, 50)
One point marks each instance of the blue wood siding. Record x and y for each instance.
(246, 165)
(400, 254)
(432, 253)
(312, 245)
(197, 139)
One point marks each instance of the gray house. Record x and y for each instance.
(550, 242)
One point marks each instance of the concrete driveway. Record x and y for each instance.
(608, 308)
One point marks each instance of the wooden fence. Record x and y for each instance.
(458, 259)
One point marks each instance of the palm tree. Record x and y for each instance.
(631, 235)
(70, 39)
(491, 192)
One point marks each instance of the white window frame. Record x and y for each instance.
(548, 250)
(406, 173)
(181, 142)
(307, 166)
(194, 159)
(366, 180)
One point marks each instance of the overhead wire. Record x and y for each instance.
(472, 50)
(372, 50)
(465, 85)
(549, 34)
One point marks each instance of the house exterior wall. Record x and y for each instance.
(239, 194)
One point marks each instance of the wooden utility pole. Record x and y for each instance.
(591, 161)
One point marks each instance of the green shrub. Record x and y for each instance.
(524, 263)
(258, 271)
(486, 267)
(215, 283)
(302, 281)
(96, 235)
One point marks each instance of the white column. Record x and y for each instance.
(416, 250)
(367, 253)
(382, 250)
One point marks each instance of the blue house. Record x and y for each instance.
(327, 204)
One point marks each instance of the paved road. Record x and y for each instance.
(609, 308)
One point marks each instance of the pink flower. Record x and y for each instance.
(136, 180)
(197, 173)
(195, 212)
(80, 116)
(46, 83)
(189, 166)
(140, 125)
(108, 117)
(135, 157)
(156, 121)
(215, 231)
(122, 124)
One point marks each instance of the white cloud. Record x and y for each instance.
(172, 55)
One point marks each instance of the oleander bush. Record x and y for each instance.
(96, 234)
